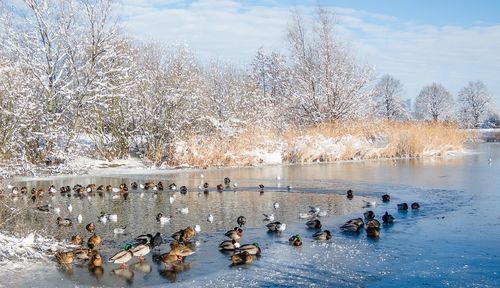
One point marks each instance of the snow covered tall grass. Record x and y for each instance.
(322, 143)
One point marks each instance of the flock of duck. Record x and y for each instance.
(182, 242)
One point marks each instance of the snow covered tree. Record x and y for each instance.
(388, 101)
(329, 84)
(474, 102)
(435, 103)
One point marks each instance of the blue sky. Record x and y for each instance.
(419, 42)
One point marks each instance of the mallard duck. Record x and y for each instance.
(374, 223)
(353, 225)
(76, 240)
(64, 221)
(387, 218)
(24, 190)
(183, 189)
(253, 249)
(95, 260)
(241, 220)
(229, 245)
(90, 227)
(109, 188)
(205, 185)
(82, 253)
(91, 188)
(157, 240)
(134, 185)
(369, 215)
(386, 198)
(350, 194)
(144, 238)
(314, 224)
(295, 240)
(373, 232)
(162, 219)
(415, 206)
(141, 250)
(403, 206)
(235, 234)
(261, 187)
(322, 235)
(242, 258)
(170, 260)
(94, 241)
(122, 257)
(227, 181)
(172, 186)
(181, 250)
(219, 187)
(272, 226)
(65, 257)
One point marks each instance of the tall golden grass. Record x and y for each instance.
(325, 142)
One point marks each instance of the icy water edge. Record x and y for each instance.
(451, 241)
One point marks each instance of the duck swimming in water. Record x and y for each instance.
(415, 206)
(387, 218)
(386, 198)
(295, 240)
(322, 235)
(403, 207)
(313, 224)
(242, 220)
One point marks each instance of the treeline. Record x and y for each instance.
(69, 74)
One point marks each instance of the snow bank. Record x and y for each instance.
(17, 252)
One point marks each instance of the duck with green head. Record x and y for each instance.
(122, 257)
(295, 240)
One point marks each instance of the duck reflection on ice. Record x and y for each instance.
(97, 272)
(170, 272)
(143, 267)
(124, 273)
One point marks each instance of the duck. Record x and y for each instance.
(159, 186)
(276, 205)
(403, 207)
(162, 219)
(353, 225)
(64, 221)
(65, 257)
(386, 198)
(183, 189)
(273, 225)
(350, 194)
(295, 240)
(90, 227)
(374, 223)
(210, 218)
(241, 258)
(44, 208)
(122, 257)
(280, 227)
(95, 260)
(185, 235)
(52, 189)
(387, 218)
(373, 232)
(268, 217)
(76, 240)
(322, 235)
(219, 187)
(227, 181)
(229, 245)
(144, 238)
(261, 187)
(235, 234)
(82, 253)
(314, 224)
(314, 210)
(109, 188)
(141, 250)
(415, 206)
(253, 249)
(205, 185)
(181, 250)
(242, 220)
(94, 241)
(134, 185)
(157, 240)
(369, 215)
(170, 260)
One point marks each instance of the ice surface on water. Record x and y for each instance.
(450, 241)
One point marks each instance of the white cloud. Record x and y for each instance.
(417, 54)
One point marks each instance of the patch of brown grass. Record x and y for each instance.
(325, 142)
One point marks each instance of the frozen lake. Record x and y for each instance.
(451, 241)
